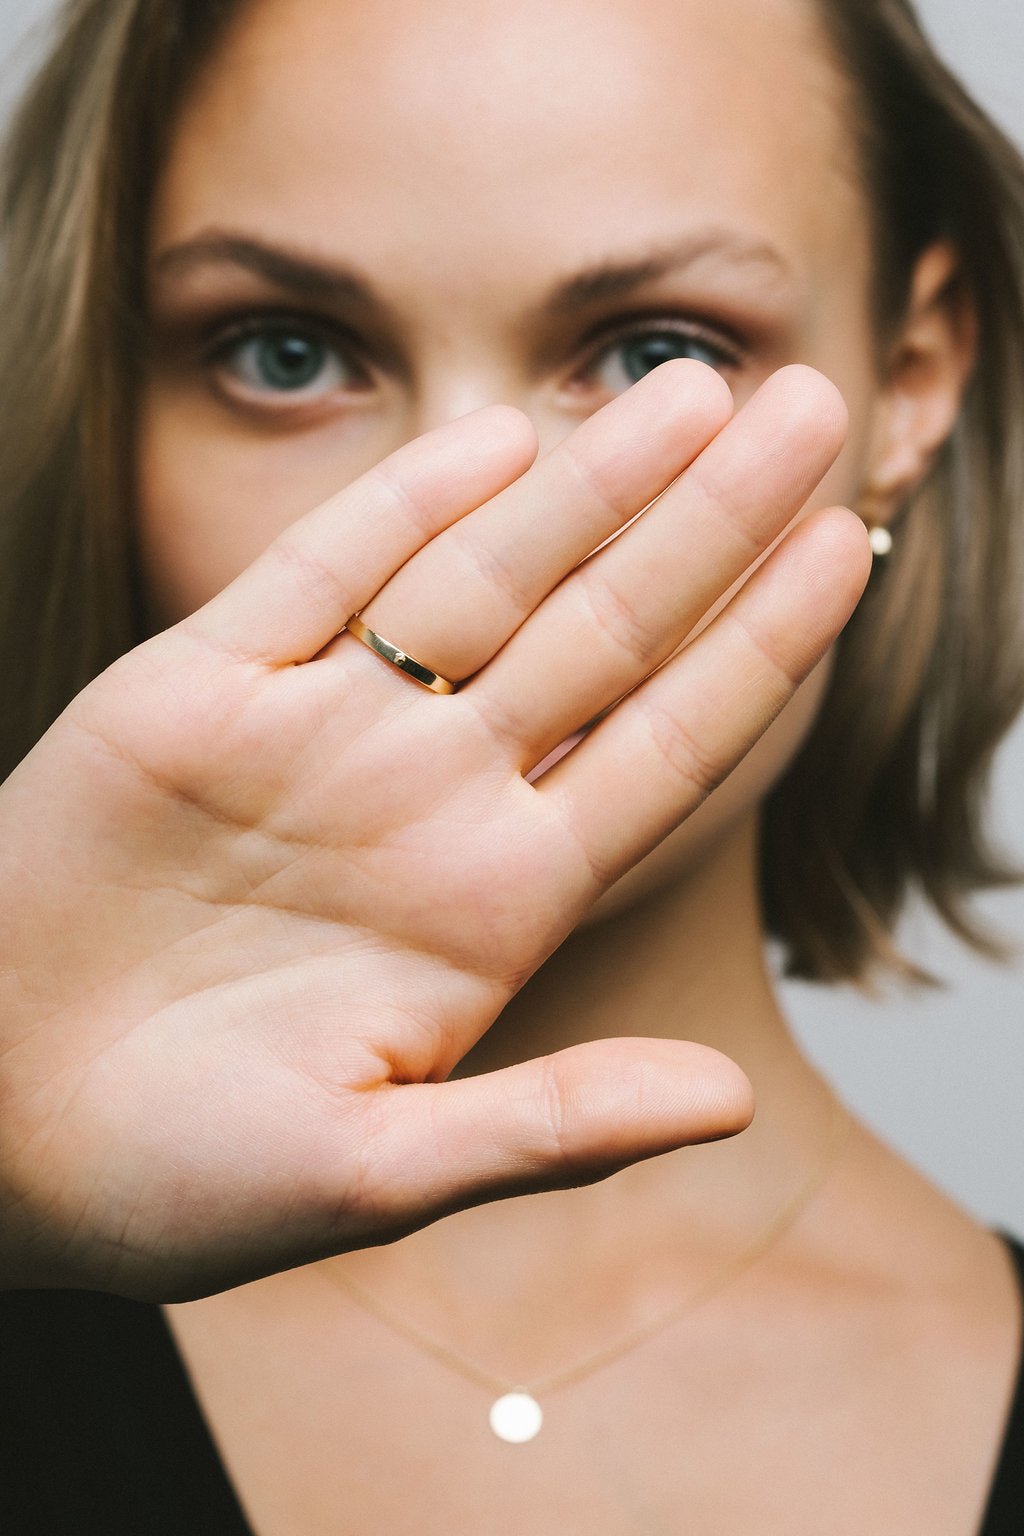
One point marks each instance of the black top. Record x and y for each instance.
(100, 1433)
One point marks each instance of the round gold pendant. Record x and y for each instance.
(516, 1417)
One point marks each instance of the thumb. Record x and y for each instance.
(570, 1118)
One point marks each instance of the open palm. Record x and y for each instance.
(260, 891)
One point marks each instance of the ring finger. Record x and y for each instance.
(455, 603)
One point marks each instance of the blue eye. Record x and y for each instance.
(628, 358)
(265, 360)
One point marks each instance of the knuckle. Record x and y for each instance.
(386, 477)
(501, 718)
(321, 584)
(614, 508)
(719, 498)
(618, 620)
(494, 566)
(676, 744)
(603, 871)
(562, 1111)
(780, 670)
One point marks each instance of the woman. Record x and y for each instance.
(266, 894)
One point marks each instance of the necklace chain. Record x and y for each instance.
(839, 1135)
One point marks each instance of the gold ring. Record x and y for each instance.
(398, 658)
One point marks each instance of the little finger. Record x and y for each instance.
(660, 752)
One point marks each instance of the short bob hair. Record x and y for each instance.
(889, 789)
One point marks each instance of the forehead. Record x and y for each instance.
(540, 132)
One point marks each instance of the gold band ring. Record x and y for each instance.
(398, 658)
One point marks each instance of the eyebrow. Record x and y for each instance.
(612, 279)
(315, 279)
(283, 268)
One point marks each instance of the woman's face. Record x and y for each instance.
(378, 215)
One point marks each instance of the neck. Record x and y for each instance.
(686, 962)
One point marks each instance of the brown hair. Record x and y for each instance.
(75, 188)
(890, 787)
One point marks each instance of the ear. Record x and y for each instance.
(927, 371)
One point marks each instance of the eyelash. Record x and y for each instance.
(226, 336)
(229, 336)
(728, 349)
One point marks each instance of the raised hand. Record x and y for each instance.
(260, 891)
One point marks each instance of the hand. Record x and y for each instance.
(260, 891)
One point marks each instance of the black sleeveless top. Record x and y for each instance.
(100, 1434)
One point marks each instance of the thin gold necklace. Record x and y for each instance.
(515, 1414)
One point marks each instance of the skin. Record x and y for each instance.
(217, 793)
(614, 901)
(461, 258)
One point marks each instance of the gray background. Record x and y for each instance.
(940, 1075)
